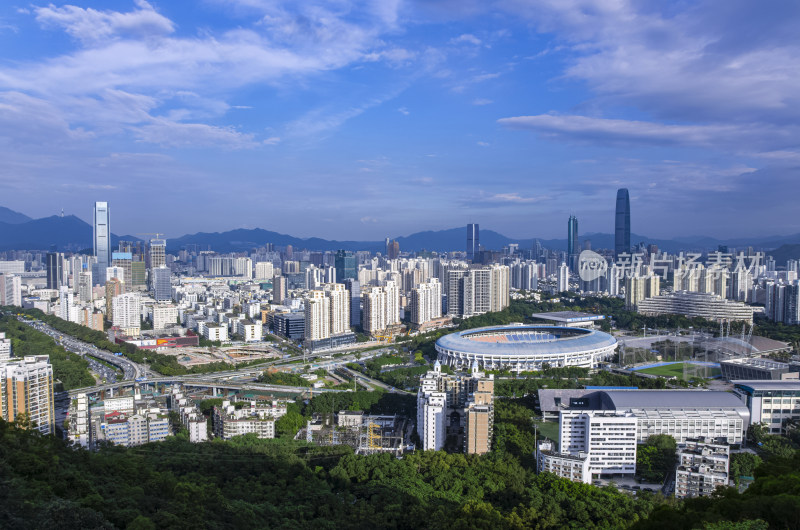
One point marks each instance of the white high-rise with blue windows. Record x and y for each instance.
(102, 240)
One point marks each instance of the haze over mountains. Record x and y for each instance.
(20, 232)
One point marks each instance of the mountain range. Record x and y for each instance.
(20, 232)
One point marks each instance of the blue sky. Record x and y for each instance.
(358, 120)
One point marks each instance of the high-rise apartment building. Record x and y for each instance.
(473, 242)
(426, 302)
(85, 286)
(622, 224)
(339, 307)
(127, 310)
(114, 288)
(317, 312)
(102, 240)
(279, 289)
(264, 270)
(478, 290)
(26, 387)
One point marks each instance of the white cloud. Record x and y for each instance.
(92, 26)
(273, 140)
(482, 101)
(483, 144)
(192, 135)
(404, 111)
(466, 38)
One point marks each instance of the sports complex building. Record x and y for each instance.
(521, 347)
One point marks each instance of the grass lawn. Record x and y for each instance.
(548, 429)
(676, 370)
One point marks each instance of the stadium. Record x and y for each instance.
(522, 348)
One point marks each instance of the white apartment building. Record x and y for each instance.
(317, 313)
(5, 347)
(426, 301)
(609, 439)
(431, 412)
(215, 332)
(259, 418)
(26, 387)
(164, 316)
(264, 270)
(250, 331)
(563, 278)
(338, 307)
(127, 310)
(574, 467)
(10, 290)
(79, 430)
(702, 468)
(133, 430)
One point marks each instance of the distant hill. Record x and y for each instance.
(63, 233)
(11, 217)
(784, 253)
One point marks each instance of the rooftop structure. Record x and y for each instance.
(770, 402)
(692, 304)
(757, 369)
(570, 318)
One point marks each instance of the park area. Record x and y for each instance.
(677, 370)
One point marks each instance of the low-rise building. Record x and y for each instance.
(136, 429)
(702, 468)
(574, 467)
(771, 403)
(258, 417)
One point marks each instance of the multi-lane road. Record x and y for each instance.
(130, 369)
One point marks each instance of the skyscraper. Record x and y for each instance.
(55, 270)
(102, 240)
(622, 226)
(473, 241)
(158, 253)
(572, 235)
(345, 265)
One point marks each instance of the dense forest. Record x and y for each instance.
(250, 483)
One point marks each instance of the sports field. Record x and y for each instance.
(676, 370)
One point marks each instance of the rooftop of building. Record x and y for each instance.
(762, 385)
(568, 316)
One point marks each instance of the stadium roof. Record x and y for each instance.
(574, 339)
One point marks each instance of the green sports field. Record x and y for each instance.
(676, 370)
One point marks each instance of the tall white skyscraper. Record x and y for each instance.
(426, 301)
(102, 239)
(563, 278)
(317, 313)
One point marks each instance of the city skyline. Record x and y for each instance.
(403, 117)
